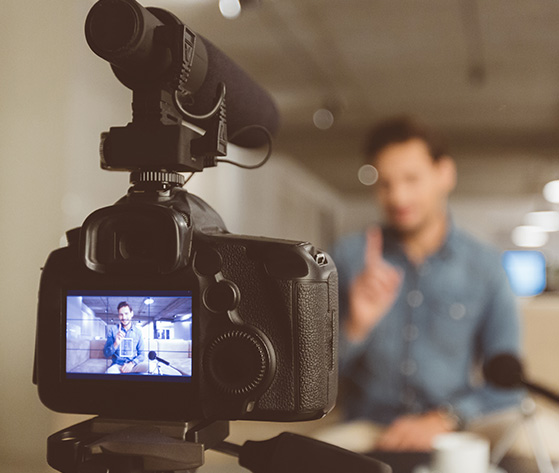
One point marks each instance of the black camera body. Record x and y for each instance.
(258, 317)
(154, 311)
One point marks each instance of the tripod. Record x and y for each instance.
(528, 422)
(113, 446)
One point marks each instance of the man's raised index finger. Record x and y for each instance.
(373, 252)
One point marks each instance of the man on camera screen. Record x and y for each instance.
(125, 344)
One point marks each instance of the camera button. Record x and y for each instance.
(208, 262)
(222, 296)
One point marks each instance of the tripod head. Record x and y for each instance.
(110, 446)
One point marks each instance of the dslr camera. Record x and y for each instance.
(154, 311)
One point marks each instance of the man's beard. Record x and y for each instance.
(411, 231)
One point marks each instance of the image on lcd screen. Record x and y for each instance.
(142, 335)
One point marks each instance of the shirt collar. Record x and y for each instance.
(449, 245)
(392, 242)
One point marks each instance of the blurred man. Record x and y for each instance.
(422, 302)
(125, 344)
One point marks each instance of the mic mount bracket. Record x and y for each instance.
(158, 138)
(162, 133)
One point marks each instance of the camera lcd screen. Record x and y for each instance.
(140, 335)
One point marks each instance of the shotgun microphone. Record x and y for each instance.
(132, 39)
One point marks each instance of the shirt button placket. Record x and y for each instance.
(408, 398)
(408, 367)
(457, 311)
(414, 298)
(410, 332)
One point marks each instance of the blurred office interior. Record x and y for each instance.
(484, 72)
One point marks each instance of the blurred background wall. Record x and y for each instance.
(56, 97)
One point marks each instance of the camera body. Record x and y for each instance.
(154, 311)
(247, 327)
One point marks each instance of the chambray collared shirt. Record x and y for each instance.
(451, 313)
(133, 346)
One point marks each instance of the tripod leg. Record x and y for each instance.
(540, 453)
(503, 446)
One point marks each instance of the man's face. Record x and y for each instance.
(125, 316)
(412, 188)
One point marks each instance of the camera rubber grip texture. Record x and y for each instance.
(298, 313)
(334, 310)
(317, 326)
(311, 345)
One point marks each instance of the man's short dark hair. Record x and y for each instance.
(400, 130)
(123, 304)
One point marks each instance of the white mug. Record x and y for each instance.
(460, 452)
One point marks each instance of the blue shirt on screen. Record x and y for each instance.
(135, 334)
(452, 312)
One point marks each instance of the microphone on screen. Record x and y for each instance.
(152, 355)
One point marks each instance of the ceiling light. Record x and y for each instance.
(148, 301)
(551, 192)
(529, 236)
(367, 174)
(331, 110)
(547, 220)
(230, 9)
(323, 119)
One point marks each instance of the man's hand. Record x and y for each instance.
(127, 367)
(415, 432)
(373, 292)
(118, 338)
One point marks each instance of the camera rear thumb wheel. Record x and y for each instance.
(237, 362)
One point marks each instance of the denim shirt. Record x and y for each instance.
(452, 312)
(137, 355)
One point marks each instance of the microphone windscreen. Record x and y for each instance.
(246, 102)
(152, 355)
(503, 370)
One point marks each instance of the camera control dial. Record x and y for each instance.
(237, 362)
